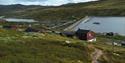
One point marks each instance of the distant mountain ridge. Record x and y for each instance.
(66, 12)
(10, 9)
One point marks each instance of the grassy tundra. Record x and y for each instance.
(21, 47)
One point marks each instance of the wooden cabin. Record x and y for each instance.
(110, 34)
(123, 43)
(2, 21)
(68, 34)
(30, 29)
(86, 35)
(14, 27)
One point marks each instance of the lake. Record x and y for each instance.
(20, 20)
(104, 25)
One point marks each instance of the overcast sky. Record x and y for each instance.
(41, 2)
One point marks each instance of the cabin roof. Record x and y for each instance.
(2, 19)
(68, 32)
(82, 31)
(123, 42)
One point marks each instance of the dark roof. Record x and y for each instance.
(2, 20)
(123, 42)
(29, 29)
(69, 33)
(82, 31)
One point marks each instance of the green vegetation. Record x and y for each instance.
(71, 11)
(111, 54)
(20, 47)
(117, 37)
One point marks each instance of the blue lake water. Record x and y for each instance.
(104, 25)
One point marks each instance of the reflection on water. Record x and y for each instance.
(104, 24)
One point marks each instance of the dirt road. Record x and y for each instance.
(96, 55)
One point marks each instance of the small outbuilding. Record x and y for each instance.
(29, 29)
(110, 34)
(14, 27)
(123, 43)
(86, 35)
(68, 34)
(2, 21)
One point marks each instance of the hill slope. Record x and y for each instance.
(75, 11)
(20, 47)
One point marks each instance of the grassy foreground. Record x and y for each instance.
(20, 47)
(111, 54)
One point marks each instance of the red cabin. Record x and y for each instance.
(86, 35)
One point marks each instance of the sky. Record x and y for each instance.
(41, 2)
